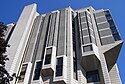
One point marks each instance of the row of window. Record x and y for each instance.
(112, 26)
(22, 73)
(59, 69)
(92, 76)
(88, 31)
(109, 23)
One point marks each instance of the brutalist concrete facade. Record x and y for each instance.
(65, 46)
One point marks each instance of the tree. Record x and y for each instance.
(4, 75)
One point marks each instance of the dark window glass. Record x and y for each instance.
(22, 73)
(75, 68)
(48, 59)
(37, 70)
(74, 64)
(113, 29)
(108, 17)
(92, 76)
(115, 33)
(88, 9)
(59, 66)
(87, 48)
(116, 37)
(60, 61)
(107, 12)
(111, 23)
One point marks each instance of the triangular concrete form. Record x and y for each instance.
(107, 47)
(111, 52)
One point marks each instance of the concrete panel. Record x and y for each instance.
(114, 75)
(107, 40)
(98, 14)
(103, 25)
(56, 29)
(61, 50)
(43, 37)
(52, 28)
(84, 25)
(101, 19)
(32, 39)
(85, 32)
(86, 40)
(83, 19)
(105, 32)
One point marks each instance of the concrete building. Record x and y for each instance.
(65, 46)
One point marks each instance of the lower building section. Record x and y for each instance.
(59, 74)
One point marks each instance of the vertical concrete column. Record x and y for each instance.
(114, 75)
(29, 67)
(61, 47)
(81, 74)
(104, 69)
(95, 27)
(69, 48)
(55, 37)
(19, 38)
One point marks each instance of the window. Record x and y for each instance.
(59, 66)
(116, 37)
(87, 48)
(75, 68)
(108, 17)
(113, 29)
(88, 9)
(111, 23)
(74, 64)
(22, 73)
(115, 33)
(92, 76)
(49, 51)
(37, 70)
(86, 39)
(48, 59)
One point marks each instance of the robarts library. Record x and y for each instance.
(64, 46)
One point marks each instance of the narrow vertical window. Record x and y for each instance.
(75, 68)
(59, 66)
(48, 59)
(37, 70)
(48, 56)
(22, 73)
